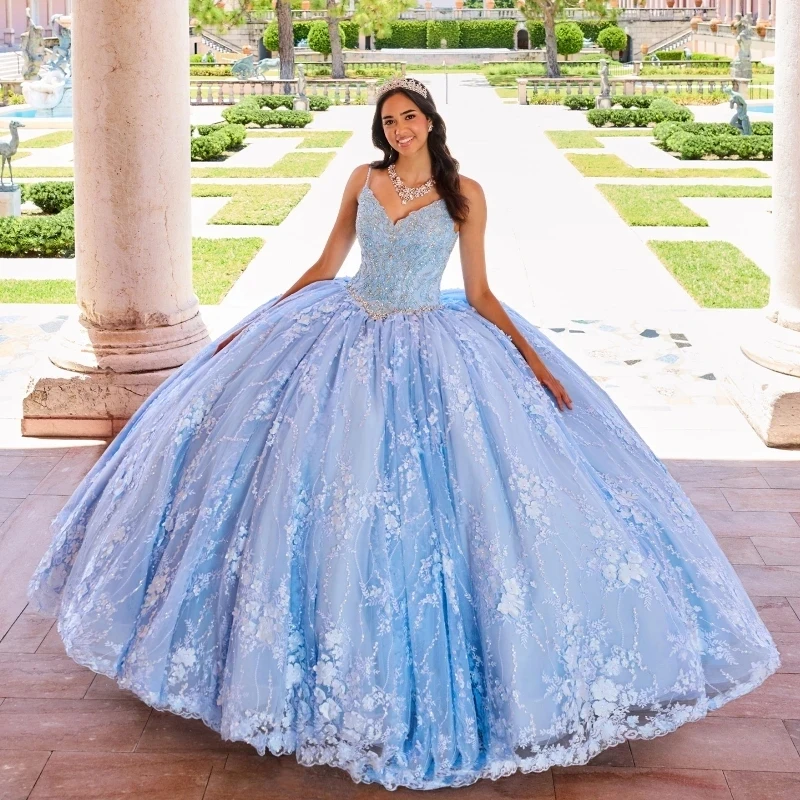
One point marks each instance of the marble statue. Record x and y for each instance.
(604, 99)
(742, 66)
(50, 86)
(33, 49)
(301, 100)
(741, 119)
(7, 151)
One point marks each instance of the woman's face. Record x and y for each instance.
(405, 126)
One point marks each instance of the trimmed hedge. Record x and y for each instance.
(52, 197)
(477, 33)
(299, 29)
(586, 102)
(612, 39)
(659, 111)
(535, 33)
(210, 71)
(350, 31)
(591, 30)
(446, 29)
(316, 102)
(249, 113)
(406, 33)
(214, 140)
(38, 237)
(488, 33)
(271, 101)
(695, 140)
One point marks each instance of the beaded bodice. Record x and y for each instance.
(401, 264)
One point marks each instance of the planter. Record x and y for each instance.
(305, 5)
(714, 24)
(489, 4)
(695, 23)
(428, 5)
(698, 3)
(670, 3)
(645, 49)
(761, 27)
(459, 4)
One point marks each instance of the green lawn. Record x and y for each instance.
(43, 172)
(292, 165)
(310, 139)
(715, 274)
(612, 166)
(585, 140)
(252, 204)
(55, 139)
(217, 263)
(661, 205)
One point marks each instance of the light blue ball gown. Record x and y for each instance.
(363, 533)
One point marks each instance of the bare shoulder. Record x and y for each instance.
(472, 189)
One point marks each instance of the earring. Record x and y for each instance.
(430, 127)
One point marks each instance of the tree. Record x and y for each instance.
(549, 11)
(569, 38)
(375, 17)
(209, 13)
(612, 39)
(334, 33)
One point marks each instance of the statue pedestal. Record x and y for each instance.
(10, 201)
(602, 102)
(742, 85)
(300, 103)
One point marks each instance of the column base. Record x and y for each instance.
(770, 401)
(70, 405)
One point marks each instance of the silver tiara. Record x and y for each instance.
(403, 83)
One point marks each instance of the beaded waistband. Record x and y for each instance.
(376, 310)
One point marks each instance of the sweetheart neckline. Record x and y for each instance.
(410, 213)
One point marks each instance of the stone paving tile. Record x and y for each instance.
(19, 771)
(42, 677)
(793, 728)
(81, 725)
(721, 743)
(778, 551)
(8, 464)
(740, 550)
(103, 688)
(770, 580)
(26, 634)
(8, 505)
(764, 499)
(52, 643)
(777, 613)
(763, 785)
(751, 523)
(779, 476)
(707, 499)
(723, 476)
(167, 733)
(132, 776)
(774, 699)
(270, 778)
(789, 647)
(609, 783)
(64, 478)
(36, 467)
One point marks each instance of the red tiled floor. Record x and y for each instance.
(740, 550)
(166, 732)
(103, 688)
(692, 474)
(42, 677)
(772, 700)
(721, 743)
(26, 634)
(789, 647)
(19, 771)
(763, 785)
(770, 580)
(778, 550)
(132, 776)
(763, 499)
(751, 523)
(793, 728)
(96, 725)
(609, 783)
(708, 499)
(777, 613)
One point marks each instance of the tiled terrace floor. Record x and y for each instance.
(66, 733)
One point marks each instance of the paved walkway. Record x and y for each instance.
(558, 253)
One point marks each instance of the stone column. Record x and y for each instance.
(763, 11)
(8, 33)
(767, 386)
(139, 317)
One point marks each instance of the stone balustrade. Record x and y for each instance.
(347, 91)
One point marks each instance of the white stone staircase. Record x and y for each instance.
(10, 66)
(677, 41)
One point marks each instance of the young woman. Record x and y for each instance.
(371, 528)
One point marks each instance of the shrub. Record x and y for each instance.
(301, 30)
(201, 71)
(535, 33)
(695, 140)
(546, 99)
(579, 102)
(664, 130)
(319, 38)
(209, 147)
(38, 237)
(196, 58)
(271, 37)
(591, 30)
(612, 39)
(446, 29)
(319, 103)
(406, 33)
(633, 101)
(488, 33)
(52, 197)
(762, 128)
(273, 101)
(659, 111)
(290, 119)
(569, 37)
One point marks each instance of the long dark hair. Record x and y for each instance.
(444, 167)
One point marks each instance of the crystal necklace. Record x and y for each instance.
(406, 193)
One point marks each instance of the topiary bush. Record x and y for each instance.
(696, 146)
(591, 30)
(659, 111)
(612, 39)
(446, 29)
(350, 39)
(38, 237)
(488, 33)
(569, 38)
(52, 197)
(319, 39)
(271, 37)
(579, 102)
(317, 102)
(535, 33)
(290, 119)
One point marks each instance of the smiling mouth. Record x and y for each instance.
(403, 142)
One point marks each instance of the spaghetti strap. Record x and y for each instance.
(369, 172)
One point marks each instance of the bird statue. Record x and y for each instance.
(7, 150)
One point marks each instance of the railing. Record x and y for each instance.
(397, 66)
(675, 42)
(218, 43)
(724, 31)
(625, 86)
(346, 91)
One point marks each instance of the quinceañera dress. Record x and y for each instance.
(364, 533)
